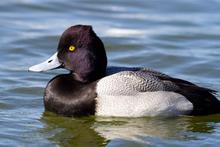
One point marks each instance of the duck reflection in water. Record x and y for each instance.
(100, 131)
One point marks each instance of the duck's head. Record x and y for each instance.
(79, 50)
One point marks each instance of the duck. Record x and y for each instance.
(92, 88)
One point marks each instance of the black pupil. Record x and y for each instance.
(50, 61)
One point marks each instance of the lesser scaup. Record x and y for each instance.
(93, 89)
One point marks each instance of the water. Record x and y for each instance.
(180, 38)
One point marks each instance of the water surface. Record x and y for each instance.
(180, 38)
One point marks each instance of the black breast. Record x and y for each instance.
(66, 96)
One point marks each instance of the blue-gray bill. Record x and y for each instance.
(51, 63)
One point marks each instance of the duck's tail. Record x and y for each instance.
(204, 100)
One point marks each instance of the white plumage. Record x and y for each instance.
(129, 94)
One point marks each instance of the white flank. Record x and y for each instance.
(159, 103)
(120, 98)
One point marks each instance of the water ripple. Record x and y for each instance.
(180, 38)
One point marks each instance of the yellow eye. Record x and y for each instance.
(72, 48)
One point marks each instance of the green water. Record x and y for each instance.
(180, 38)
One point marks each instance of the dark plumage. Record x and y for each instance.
(88, 62)
(62, 99)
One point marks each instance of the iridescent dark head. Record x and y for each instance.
(81, 51)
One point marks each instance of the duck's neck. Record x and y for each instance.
(89, 76)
